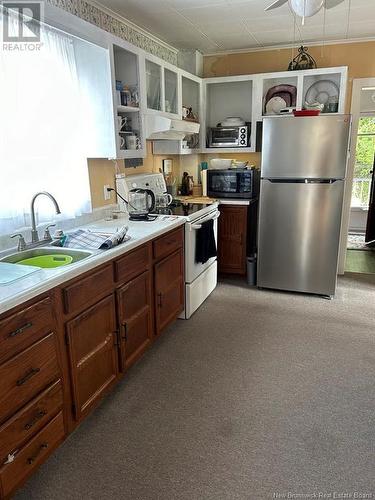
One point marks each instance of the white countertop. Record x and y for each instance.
(17, 292)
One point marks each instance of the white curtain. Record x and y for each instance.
(44, 138)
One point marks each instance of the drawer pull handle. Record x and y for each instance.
(40, 414)
(21, 329)
(125, 330)
(31, 460)
(28, 376)
(10, 457)
(160, 299)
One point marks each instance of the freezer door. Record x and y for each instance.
(312, 147)
(299, 231)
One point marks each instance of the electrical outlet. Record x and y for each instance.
(107, 194)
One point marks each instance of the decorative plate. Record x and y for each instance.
(322, 91)
(274, 105)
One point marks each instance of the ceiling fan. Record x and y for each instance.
(305, 8)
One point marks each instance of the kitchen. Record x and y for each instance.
(150, 299)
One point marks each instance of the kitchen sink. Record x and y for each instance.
(47, 257)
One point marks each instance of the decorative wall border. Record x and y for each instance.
(126, 31)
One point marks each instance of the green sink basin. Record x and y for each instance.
(47, 257)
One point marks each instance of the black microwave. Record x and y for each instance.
(233, 183)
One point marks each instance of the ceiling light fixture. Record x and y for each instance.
(305, 8)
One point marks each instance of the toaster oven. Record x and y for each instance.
(228, 137)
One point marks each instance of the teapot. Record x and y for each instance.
(141, 203)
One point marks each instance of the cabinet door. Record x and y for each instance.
(169, 289)
(232, 231)
(153, 85)
(134, 310)
(170, 91)
(92, 340)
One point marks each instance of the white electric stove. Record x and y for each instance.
(200, 279)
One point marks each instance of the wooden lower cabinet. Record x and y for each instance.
(34, 453)
(92, 346)
(61, 353)
(232, 238)
(169, 289)
(134, 301)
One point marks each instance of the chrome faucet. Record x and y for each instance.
(34, 232)
(22, 245)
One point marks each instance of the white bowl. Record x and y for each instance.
(239, 164)
(233, 121)
(217, 163)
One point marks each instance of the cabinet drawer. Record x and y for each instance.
(32, 455)
(30, 419)
(88, 289)
(167, 244)
(25, 375)
(132, 264)
(20, 330)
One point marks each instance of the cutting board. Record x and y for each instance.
(13, 272)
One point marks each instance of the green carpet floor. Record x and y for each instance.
(360, 261)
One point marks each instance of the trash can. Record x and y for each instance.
(252, 270)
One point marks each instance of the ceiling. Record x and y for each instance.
(228, 25)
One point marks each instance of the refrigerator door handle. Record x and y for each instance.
(302, 181)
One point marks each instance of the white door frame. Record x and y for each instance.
(355, 111)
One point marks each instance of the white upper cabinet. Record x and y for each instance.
(228, 97)
(251, 97)
(144, 84)
(162, 87)
(127, 97)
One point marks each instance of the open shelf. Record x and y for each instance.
(191, 95)
(226, 99)
(127, 109)
(227, 150)
(309, 80)
(269, 83)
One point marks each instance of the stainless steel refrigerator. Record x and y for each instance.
(301, 197)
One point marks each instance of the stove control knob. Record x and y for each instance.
(134, 185)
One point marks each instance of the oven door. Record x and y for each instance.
(194, 269)
(224, 137)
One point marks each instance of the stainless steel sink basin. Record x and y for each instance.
(47, 257)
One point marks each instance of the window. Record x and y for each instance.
(364, 162)
(56, 112)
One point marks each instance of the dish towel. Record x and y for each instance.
(205, 246)
(84, 238)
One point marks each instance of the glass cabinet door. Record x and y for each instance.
(170, 91)
(153, 82)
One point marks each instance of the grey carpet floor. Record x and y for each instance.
(260, 394)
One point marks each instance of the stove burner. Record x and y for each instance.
(178, 207)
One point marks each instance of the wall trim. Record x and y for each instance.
(132, 25)
(96, 14)
(318, 43)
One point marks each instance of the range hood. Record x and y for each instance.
(160, 127)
